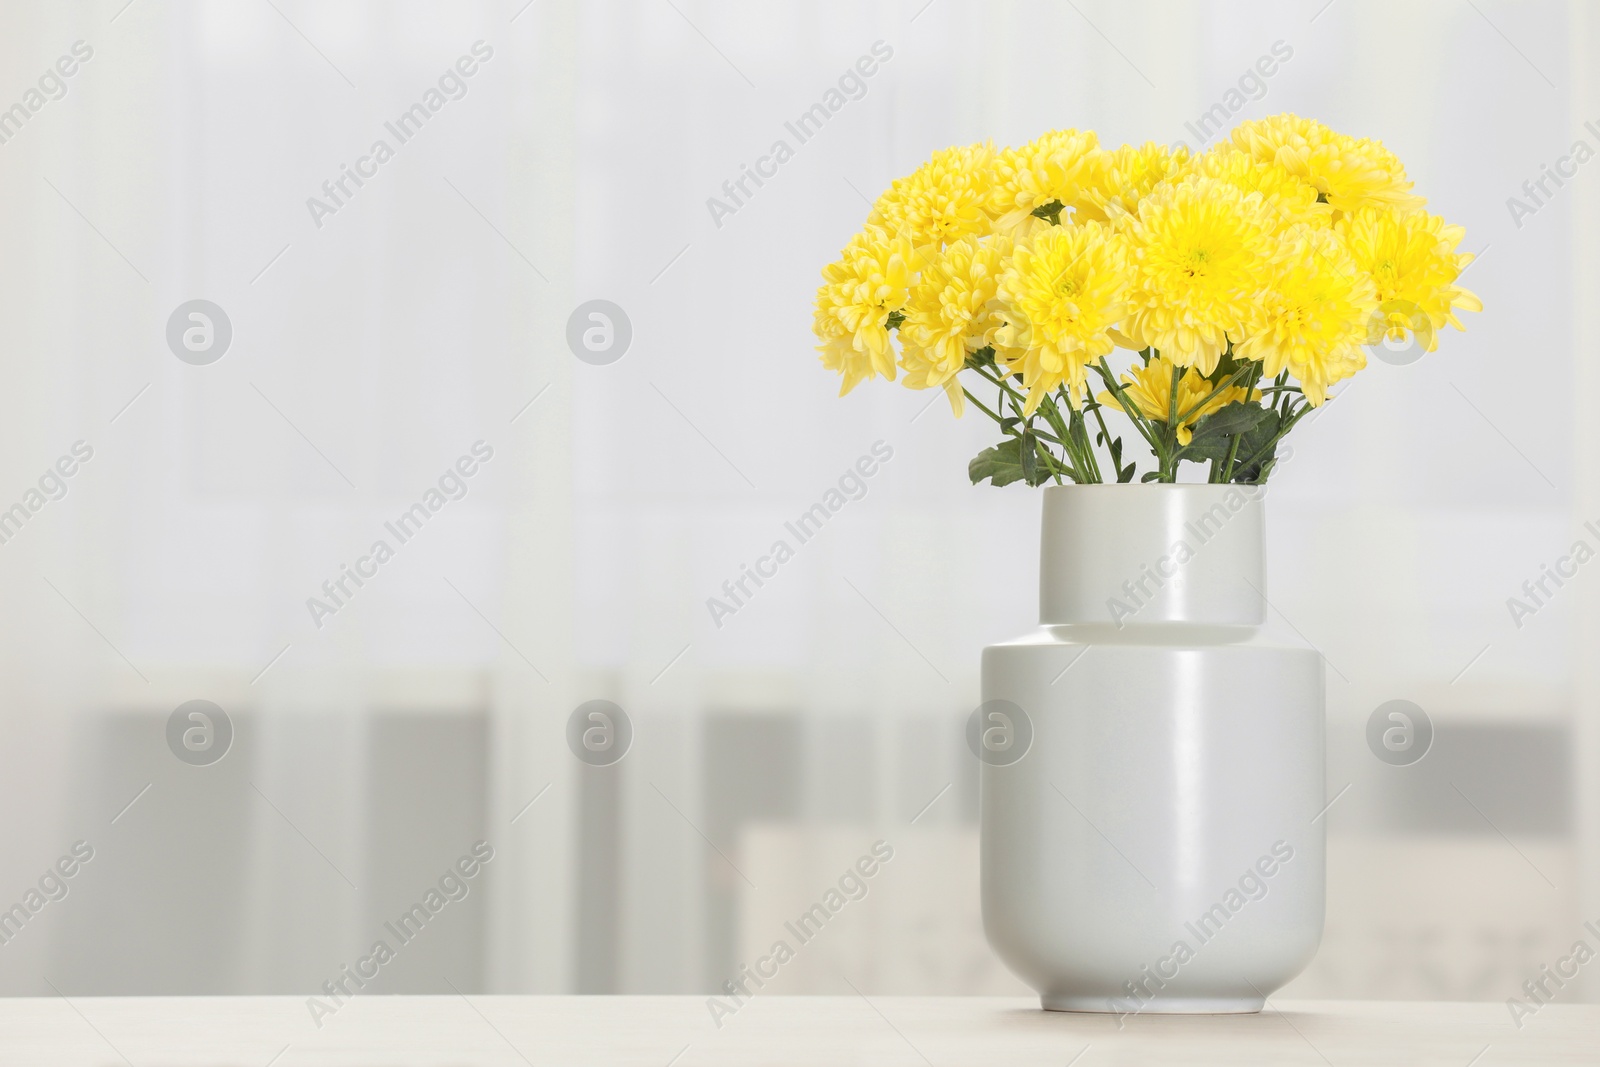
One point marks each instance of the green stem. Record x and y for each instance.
(1018, 403)
(1283, 431)
(1012, 431)
(1056, 465)
(1084, 431)
(999, 380)
(1080, 428)
(1062, 436)
(1076, 445)
(1233, 449)
(980, 406)
(1048, 409)
(1233, 452)
(1000, 420)
(1129, 408)
(1028, 434)
(1050, 460)
(1105, 434)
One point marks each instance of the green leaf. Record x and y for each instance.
(1149, 476)
(1046, 475)
(1239, 417)
(1008, 462)
(1227, 367)
(1206, 448)
(1257, 468)
(999, 465)
(1050, 212)
(1264, 469)
(1214, 433)
(1028, 450)
(895, 319)
(1124, 474)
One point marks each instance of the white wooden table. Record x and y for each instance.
(375, 1031)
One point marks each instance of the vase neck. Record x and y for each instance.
(1152, 556)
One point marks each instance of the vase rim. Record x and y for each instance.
(1245, 487)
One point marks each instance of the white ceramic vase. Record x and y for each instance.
(1152, 779)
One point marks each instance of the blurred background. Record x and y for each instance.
(379, 329)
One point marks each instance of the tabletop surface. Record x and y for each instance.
(373, 1031)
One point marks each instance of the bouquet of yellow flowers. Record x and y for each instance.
(1247, 279)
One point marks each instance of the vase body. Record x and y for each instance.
(1152, 776)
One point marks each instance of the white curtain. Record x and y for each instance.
(371, 348)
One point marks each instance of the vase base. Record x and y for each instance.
(1159, 1006)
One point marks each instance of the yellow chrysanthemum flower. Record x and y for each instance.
(1150, 389)
(1312, 319)
(1060, 294)
(870, 279)
(950, 313)
(1413, 263)
(1059, 166)
(941, 201)
(1294, 199)
(1200, 250)
(1349, 172)
(1127, 175)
